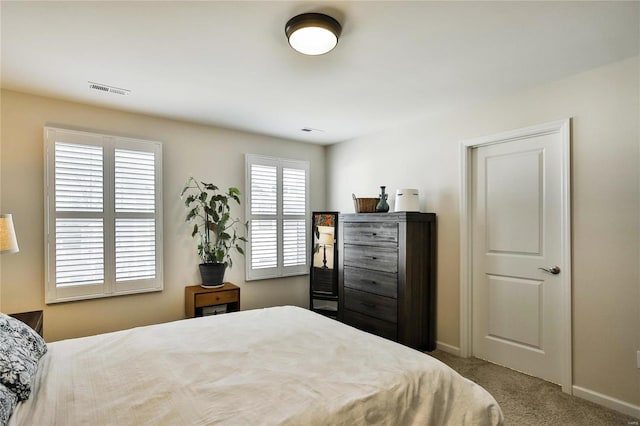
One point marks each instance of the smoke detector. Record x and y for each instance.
(108, 89)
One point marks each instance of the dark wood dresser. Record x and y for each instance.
(387, 275)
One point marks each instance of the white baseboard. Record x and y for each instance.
(607, 401)
(454, 350)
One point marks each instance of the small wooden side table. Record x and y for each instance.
(196, 298)
(33, 319)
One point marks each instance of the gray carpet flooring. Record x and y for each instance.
(527, 400)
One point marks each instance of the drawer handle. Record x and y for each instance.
(373, 282)
(368, 305)
(374, 234)
(373, 257)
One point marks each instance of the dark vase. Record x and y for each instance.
(212, 274)
(382, 206)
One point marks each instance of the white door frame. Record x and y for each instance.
(562, 127)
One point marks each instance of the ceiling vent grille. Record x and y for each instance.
(311, 129)
(108, 89)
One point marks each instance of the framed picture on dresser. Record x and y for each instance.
(323, 289)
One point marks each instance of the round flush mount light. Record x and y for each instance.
(313, 33)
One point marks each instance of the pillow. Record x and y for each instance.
(17, 366)
(25, 335)
(20, 350)
(8, 401)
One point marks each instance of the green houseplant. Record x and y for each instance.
(216, 231)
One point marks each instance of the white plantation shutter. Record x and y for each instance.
(294, 195)
(79, 241)
(79, 251)
(264, 201)
(294, 203)
(277, 205)
(135, 249)
(103, 215)
(264, 244)
(264, 189)
(79, 180)
(294, 250)
(134, 181)
(135, 194)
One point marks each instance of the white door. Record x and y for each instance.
(517, 231)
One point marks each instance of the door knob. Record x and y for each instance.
(553, 270)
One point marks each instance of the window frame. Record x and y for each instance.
(109, 287)
(280, 270)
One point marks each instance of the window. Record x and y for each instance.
(103, 225)
(277, 205)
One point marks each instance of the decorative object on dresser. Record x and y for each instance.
(387, 275)
(199, 301)
(33, 319)
(382, 206)
(365, 205)
(407, 200)
(323, 277)
(216, 229)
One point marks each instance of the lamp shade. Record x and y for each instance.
(325, 239)
(313, 33)
(8, 241)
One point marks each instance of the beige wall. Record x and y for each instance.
(209, 153)
(606, 227)
(604, 106)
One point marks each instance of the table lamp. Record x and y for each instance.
(325, 240)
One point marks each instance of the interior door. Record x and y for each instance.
(516, 234)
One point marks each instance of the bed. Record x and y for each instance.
(282, 365)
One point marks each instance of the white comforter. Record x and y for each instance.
(281, 365)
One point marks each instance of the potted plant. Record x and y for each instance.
(214, 228)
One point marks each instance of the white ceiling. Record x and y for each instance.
(228, 63)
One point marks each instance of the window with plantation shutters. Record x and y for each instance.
(103, 220)
(277, 205)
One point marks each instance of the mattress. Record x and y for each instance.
(274, 366)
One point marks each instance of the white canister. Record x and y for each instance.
(407, 200)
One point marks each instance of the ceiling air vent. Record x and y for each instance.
(311, 129)
(108, 89)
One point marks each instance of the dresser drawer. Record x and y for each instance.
(376, 326)
(371, 304)
(371, 233)
(218, 298)
(378, 258)
(377, 282)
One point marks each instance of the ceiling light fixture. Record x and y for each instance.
(313, 33)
